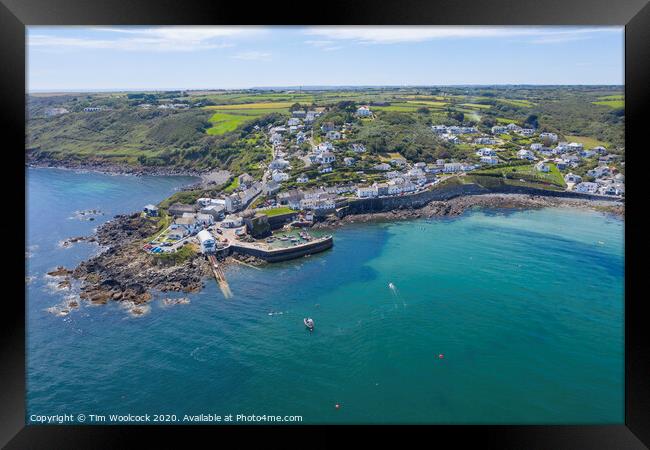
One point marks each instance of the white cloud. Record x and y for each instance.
(324, 44)
(170, 38)
(253, 56)
(405, 34)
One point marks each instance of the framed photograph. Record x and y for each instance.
(388, 219)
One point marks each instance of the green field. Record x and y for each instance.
(505, 120)
(587, 142)
(526, 172)
(513, 102)
(277, 211)
(223, 122)
(611, 103)
(475, 105)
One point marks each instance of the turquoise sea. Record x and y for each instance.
(494, 317)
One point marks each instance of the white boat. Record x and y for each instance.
(309, 323)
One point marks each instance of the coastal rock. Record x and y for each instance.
(60, 272)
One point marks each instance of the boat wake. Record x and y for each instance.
(396, 294)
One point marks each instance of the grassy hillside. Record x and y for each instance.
(216, 130)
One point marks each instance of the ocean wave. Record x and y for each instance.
(136, 310)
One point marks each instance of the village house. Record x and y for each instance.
(333, 135)
(542, 167)
(232, 221)
(489, 160)
(279, 163)
(586, 187)
(452, 167)
(245, 180)
(327, 157)
(358, 148)
(327, 126)
(485, 141)
(600, 171)
(399, 162)
(485, 152)
(271, 188)
(364, 111)
(206, 241)
(574, 147)
(325, 168)
(366, 191)
(498, 129)
(290, 197)
(279, 176)
(216, 211)
(548, 138)
(383, 167)
(525, 154)
(178, 209)
(348, 161)
(302, 178)
(572, 178)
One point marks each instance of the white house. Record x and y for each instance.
(302, 179)
(575, 147)
(489, 160)
(453, 167)
(383, 166)
(572, 178)
(325, 168)
(536, 146)
(271, 188)
(348, 161)
(485, 151)
(333, 135)
(525, 154)
(599, 171)
(327, 157)
(548, 138)
(358, 148)
(366, 192)
(364, 111)
(586, 187)
(279, 176)
(279, 163)
(498, 129)
(542, 167)
(232, 222)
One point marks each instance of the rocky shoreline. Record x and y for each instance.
(123, 272)
(113, 169)
(458, 205)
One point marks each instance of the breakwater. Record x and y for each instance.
(421, 199)
(285, 254)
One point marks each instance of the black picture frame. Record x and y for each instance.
(633, 14)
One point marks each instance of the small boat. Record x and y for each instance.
(309, 323)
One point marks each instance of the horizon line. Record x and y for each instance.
(311, 87)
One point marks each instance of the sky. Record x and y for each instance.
(157, 58)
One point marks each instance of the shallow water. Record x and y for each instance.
(525, 308)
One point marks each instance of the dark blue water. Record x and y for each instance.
(526, 309)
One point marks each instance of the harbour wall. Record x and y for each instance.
(285, 254)
(421, 199)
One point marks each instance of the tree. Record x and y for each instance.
(532, 121)
(424, 110)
